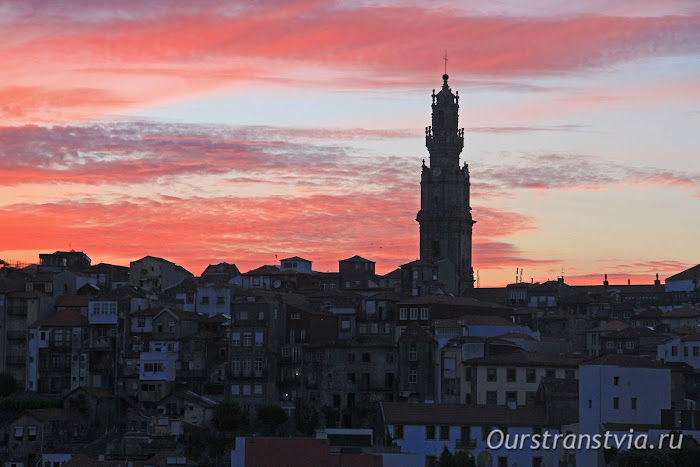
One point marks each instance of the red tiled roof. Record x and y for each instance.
(65, 318)
(406, 413)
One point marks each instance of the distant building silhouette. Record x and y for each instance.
(445, 216)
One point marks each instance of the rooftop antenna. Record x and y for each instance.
(477, 279)
(521, 274)
(445, 61)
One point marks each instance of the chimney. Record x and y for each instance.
(605, 282)
(657, 282)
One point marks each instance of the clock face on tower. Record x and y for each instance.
(437, 171)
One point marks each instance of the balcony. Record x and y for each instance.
(17, 335)
(467, 444)
(16, 359)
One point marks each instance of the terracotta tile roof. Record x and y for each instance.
(415, 333)
(406, 413)
(97, 393)
(73, 300)
(65, 318)
(611, 326)
(686, 311)
(624, 361)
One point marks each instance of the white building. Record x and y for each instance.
(685, 349)
(427, 428)
(620, 389)
(684, 281)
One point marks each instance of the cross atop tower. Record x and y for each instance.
(445, 61)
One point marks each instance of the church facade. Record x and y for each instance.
(445, 217)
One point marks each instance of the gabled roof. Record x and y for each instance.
(686, 311)
(687, 275)
(415, 333)
(97, 393)
(221, 268)
(296, 258)
(357, 259)
(407, 413)
(66, 318)
(262, 270)
(395, 274)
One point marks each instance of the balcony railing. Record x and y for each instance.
(16, 359)
(17, 334)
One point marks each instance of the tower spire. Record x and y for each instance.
(445, 61)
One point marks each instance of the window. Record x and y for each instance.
(569, 374)
(258, 389)
(685, 351)
(236, 389)
(412, 354)
(590, 403)
(424, 313)
(611, 345)
(236, 367)
(551, 373)
(491, 397)
(449, 364)
(258, 364)
(491, 375)
(246, 389)
(261, 315)
(295, 316)
(365, 358)
(530, 375)
(205, 300)
(412, 377)
(674, 351)
(414, 313)
(510, 375)
(530, 398)
(511, 396)
(291, 336)
(243, 316)
(403, 314)
(220, 300)
(696, 351)
(142, 322)
(247, 338)
(430, 432)
(258, 339)
(246, 366)
(444, 432)
(616, 380)
(236, 339)
(634, 403)
(616, 402)
(285, 352)
(345, 324)
(31, 432)
(19, 433)
(351, 377)
(398, 431)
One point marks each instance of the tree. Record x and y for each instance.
(228, 416)
(272, 416)
(8, 385)
(446, 458)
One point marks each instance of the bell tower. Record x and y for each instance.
(445, 217)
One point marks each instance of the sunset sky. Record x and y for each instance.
(250, 132)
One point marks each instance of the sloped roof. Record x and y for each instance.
(523, 358)
(687, 275)
(97, 393)
(624, 361)
(358, 259)
(632, 332)
(296, 258)
(65, 318)
(56, 415)
(262, 270)
(407, 413)
(610, 326)
(686, 311)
